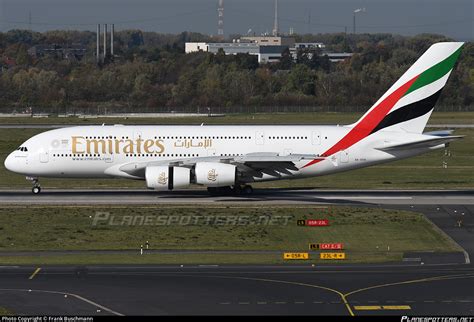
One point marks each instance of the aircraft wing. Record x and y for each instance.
(249, 165)
(425, 143)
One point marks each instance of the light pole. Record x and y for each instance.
(354, 18)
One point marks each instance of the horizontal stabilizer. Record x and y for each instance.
(440, 133)
(425, 143)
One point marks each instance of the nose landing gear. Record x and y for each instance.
(36, 189)
(36, 186)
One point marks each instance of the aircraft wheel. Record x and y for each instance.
(247, 190)
(212, 191)
(237, 190)
(221, 191)
(36, 190)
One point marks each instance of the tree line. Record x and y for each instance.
(151, 73)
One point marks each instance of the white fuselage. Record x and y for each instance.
(100, 151)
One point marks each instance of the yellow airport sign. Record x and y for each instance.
(326, 246)
(295, 255)
(332, 255)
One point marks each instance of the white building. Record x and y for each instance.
(267, 49)
(304, 45)
(191, 47)
(233, 48)
(270, 40)
(265, 54)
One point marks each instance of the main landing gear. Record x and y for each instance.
(230, 190)
(36, 186)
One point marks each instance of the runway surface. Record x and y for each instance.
(272, 290)
(260, 197)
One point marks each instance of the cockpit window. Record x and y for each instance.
(23, 149)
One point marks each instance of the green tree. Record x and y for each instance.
(300, 80)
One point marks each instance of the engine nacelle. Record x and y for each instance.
(167, 178)
(214, 174)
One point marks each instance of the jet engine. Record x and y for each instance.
(214, 174)
(167, 178)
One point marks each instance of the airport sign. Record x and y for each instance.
(317, 222)
(301, 222)
(326, 246)
(295, 255)
(312, 222)
(332, 256)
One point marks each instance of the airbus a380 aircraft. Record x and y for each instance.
(229, 158)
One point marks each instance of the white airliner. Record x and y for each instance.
(227, 159)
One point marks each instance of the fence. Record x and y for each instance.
(100, 110)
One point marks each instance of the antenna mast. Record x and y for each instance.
(220, 21)
(275, 23)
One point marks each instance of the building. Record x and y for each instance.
(234, 48)
(72, 52)
(268, 49)
(265, 54)
(191, 47)
(306, 45)
(270, 54)
(7, 62)
(270, 40)
(338, 57)
(301, 46)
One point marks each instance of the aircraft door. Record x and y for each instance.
(343, 156)
(316, 138)
(137, 135)
(44, 156)
(211, 152)
(260, 137)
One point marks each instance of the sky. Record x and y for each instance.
(453, 18)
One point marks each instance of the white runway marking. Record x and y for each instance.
(97, 305)
(368, 198)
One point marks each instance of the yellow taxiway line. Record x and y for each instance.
(35, 273)
(382, 307)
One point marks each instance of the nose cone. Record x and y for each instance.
(12, 164)
(9, 162)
